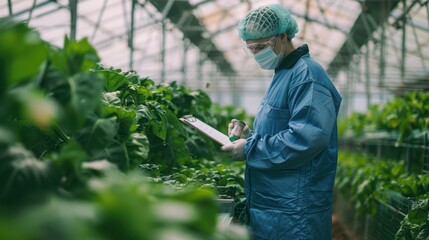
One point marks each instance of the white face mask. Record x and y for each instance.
(267, 58)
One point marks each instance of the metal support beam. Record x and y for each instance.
(64, 7)
(322, 11)
(30, 13)
(27, 10)
(100, 16)
(200, 68)
(347, 92)
(427, 10)
(195, 37)
(382, 45)
(359, 34)
(73, 19)
(131, 34)
(403, 48)
(167, 9)
(365, 21)
(367, 78)
(184, 60)
(165, 12)
(163, 33)
(416, 38)
(306, 14)
(119, 35)
(236, 92)
(9, 6)
(402, 17)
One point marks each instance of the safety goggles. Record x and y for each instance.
(254, 48)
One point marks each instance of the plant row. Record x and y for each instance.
(404, 116)
(366, 181)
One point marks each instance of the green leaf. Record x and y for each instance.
(419, 212)
(203, 200)
(424, 232)
(363, 186)
(112, 194)
(9, 229)
(75, 57)
(56, 84)
(68, 165)
(176, 131)
(154, 116)
(21, 53)
(397, 170)
(116, 152)
(138, 149)
(85, 55)
(127, 120)
(84, 101)
(6, 137)
(171, 151)
(194, 141)
(22, 176)
(71, 220)
(111, 98)
(100, 139)
(113, 80)
(85, 92)
(97, 136)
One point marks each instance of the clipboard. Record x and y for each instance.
(205, 129)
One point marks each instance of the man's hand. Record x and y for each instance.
(235, 150)
(246, 130)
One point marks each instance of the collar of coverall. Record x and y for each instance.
(290, 60)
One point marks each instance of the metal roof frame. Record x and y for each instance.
(183, 18)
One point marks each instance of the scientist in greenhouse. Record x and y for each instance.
(291, 152)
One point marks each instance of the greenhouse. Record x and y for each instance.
(214, 119)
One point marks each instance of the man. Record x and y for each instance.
(291, 155)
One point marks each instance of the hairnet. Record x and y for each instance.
(267, 21)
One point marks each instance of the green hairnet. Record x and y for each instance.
(267, 21)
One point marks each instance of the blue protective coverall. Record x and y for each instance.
(292, 155)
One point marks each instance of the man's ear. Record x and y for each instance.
(284, 36)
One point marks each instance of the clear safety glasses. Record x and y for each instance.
(253, 48)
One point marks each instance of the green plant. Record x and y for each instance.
(365, 180)
(415, 224)
(73, 134)
(405, 116)
(412, 186)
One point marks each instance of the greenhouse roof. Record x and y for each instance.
(384, 43)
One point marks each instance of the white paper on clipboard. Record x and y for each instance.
(205, 129)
